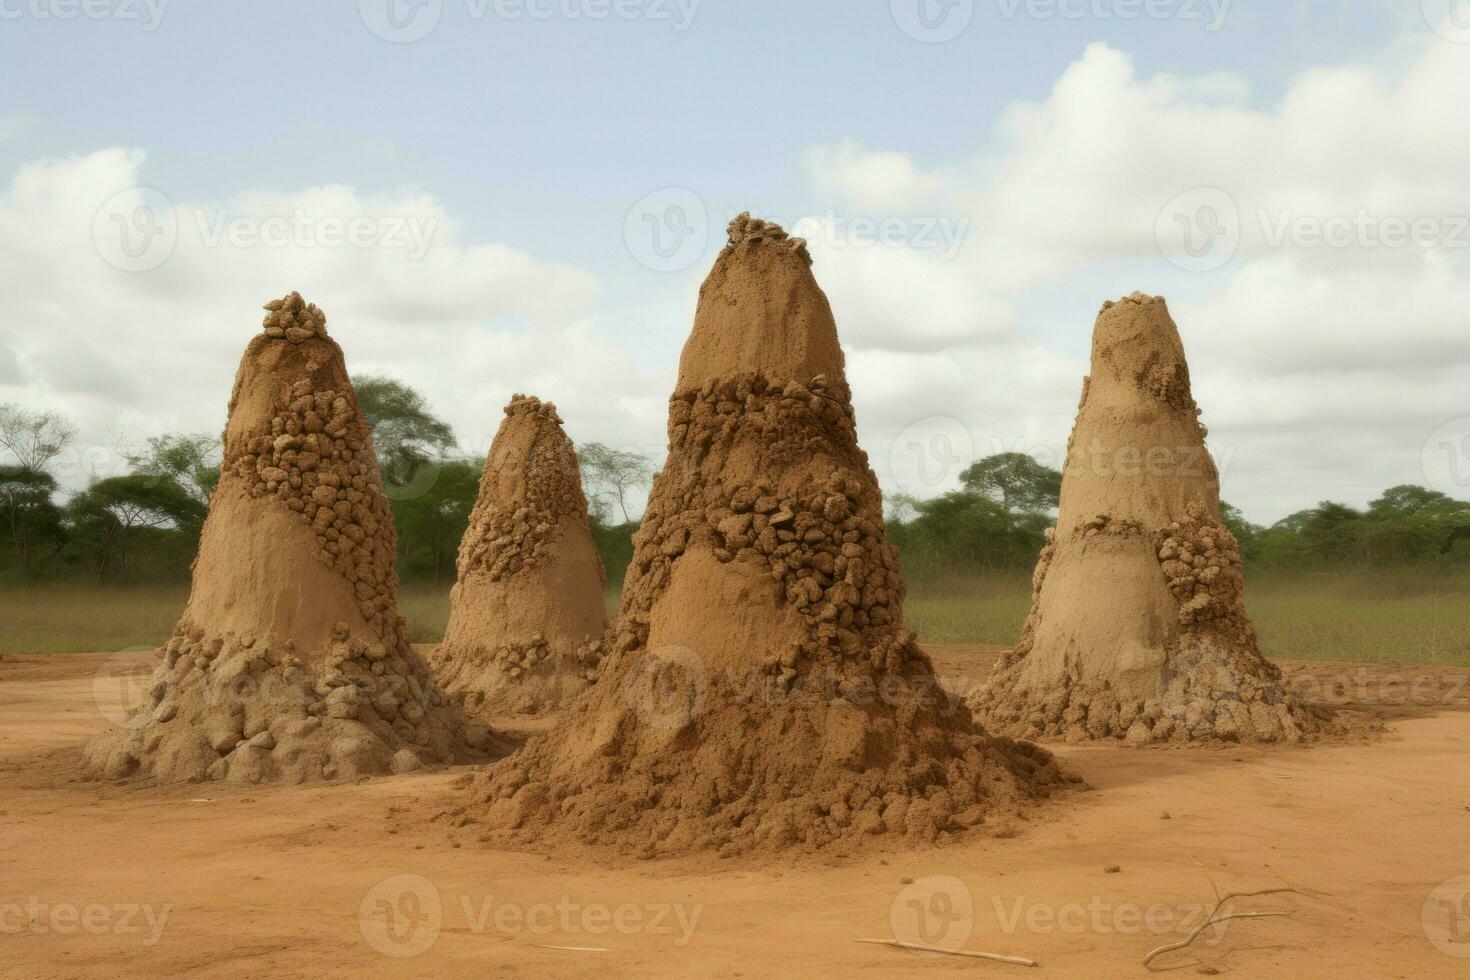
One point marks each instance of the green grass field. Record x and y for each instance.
(1394, 617)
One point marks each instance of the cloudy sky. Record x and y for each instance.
(491, 196)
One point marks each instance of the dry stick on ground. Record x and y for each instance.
(1214, 918)
(1018, 960)
(574, 949)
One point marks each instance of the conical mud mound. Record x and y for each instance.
(526, 615)
(1138, 627)
(761, 690)
(290, 662)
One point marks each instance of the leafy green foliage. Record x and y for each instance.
(1020, 483)
(112, 517)
(409, 439)
(30, 522)
(191, 461)
(963, 531)
(615, 544)
(145, 524)
(431, 523)
(1407, 525)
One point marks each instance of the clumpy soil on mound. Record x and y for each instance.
(761, 690)
(1138, 628)
(526, 615)
(290, 662)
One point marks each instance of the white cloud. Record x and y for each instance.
(133, 353)
(1304, 355)
(883, 180)
(1321, 370)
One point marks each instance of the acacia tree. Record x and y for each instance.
(191, 461)
(1020, 483)
(34, 438)
(431, 524)
(611, 475)
(109, 515)
(28, 517)
(410, 440)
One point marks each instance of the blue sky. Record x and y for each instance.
(542, 132)
(534, 137)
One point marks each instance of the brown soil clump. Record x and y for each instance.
(761, 690)
(290, 662)
(1138, 628)
(526, 615)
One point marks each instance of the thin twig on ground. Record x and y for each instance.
(1214, 918)
(574, 949)
(1018, 960)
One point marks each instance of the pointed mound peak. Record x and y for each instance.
(745, 230)
(293, 318)
(1136, 345)
(530, 484)
(762, 312)
(520, 404)
(1136, 298)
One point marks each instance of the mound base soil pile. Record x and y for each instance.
(1138, 628)
(761, 690)
(290, 662)
(526, 615)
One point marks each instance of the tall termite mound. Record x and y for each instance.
(761, 690)
(1138, 627)
(290, 662)
(526, 615)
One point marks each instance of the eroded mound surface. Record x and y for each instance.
(1138, 628)
(526, 617)
(290, 661)
(762, 690)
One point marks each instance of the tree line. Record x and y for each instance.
(144, 524)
